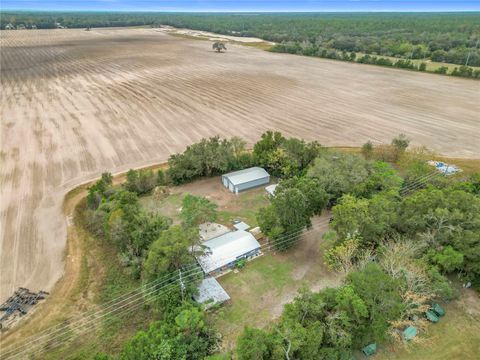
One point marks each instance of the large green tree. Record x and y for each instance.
(170, 252)
(339, 173)
(187, 336)
(372, 219)
(197, 210)
(315, 195)
(380, 294)
(283, 220)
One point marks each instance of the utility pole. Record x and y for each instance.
(182, 285)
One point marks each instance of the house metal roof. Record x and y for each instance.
(246, 175)
(211, 292)
(226, 248)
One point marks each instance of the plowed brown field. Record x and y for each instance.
(76, 103)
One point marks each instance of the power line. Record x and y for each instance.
(112, 303)
(91, 317)
(419, 182)
(75, 332)
(266, 248)
(137, 297)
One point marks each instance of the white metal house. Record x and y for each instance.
(224, 251)
(245, 179)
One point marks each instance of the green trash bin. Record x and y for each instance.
(370, 349)
(409, 333)
(437, 309)
(431, 316)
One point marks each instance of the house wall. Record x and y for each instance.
(252, 184)
(248, 255)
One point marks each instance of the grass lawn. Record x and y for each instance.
(259, 291)
(244, 207)
(261, 281)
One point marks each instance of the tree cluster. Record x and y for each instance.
(329, 324)
(142, 182)
(183, 333)
(445, 223)
(319, 184)
(115, 215)
(208, 157)
(284, 157)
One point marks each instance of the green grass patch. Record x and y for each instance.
(245, 208)
(84, 278)
(253, 291)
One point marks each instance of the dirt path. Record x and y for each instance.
(77, 103)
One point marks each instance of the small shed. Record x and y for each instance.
(210, 293)
(245, 179)
(409, 333)
(370, 349)
(240, 225)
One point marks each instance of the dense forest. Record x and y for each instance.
(398, 234)
(441, 37)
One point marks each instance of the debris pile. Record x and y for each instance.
(18, 305)
(444, 168)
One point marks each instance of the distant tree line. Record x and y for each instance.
(312, 50)
(442, 37)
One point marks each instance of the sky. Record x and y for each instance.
(243, 5)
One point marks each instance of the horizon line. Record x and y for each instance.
(251, 11)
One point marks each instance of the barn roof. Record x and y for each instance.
(246, 175)
(226, 248)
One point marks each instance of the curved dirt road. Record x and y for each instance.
(77, 103)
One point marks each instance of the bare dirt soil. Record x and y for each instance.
(75, 103)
